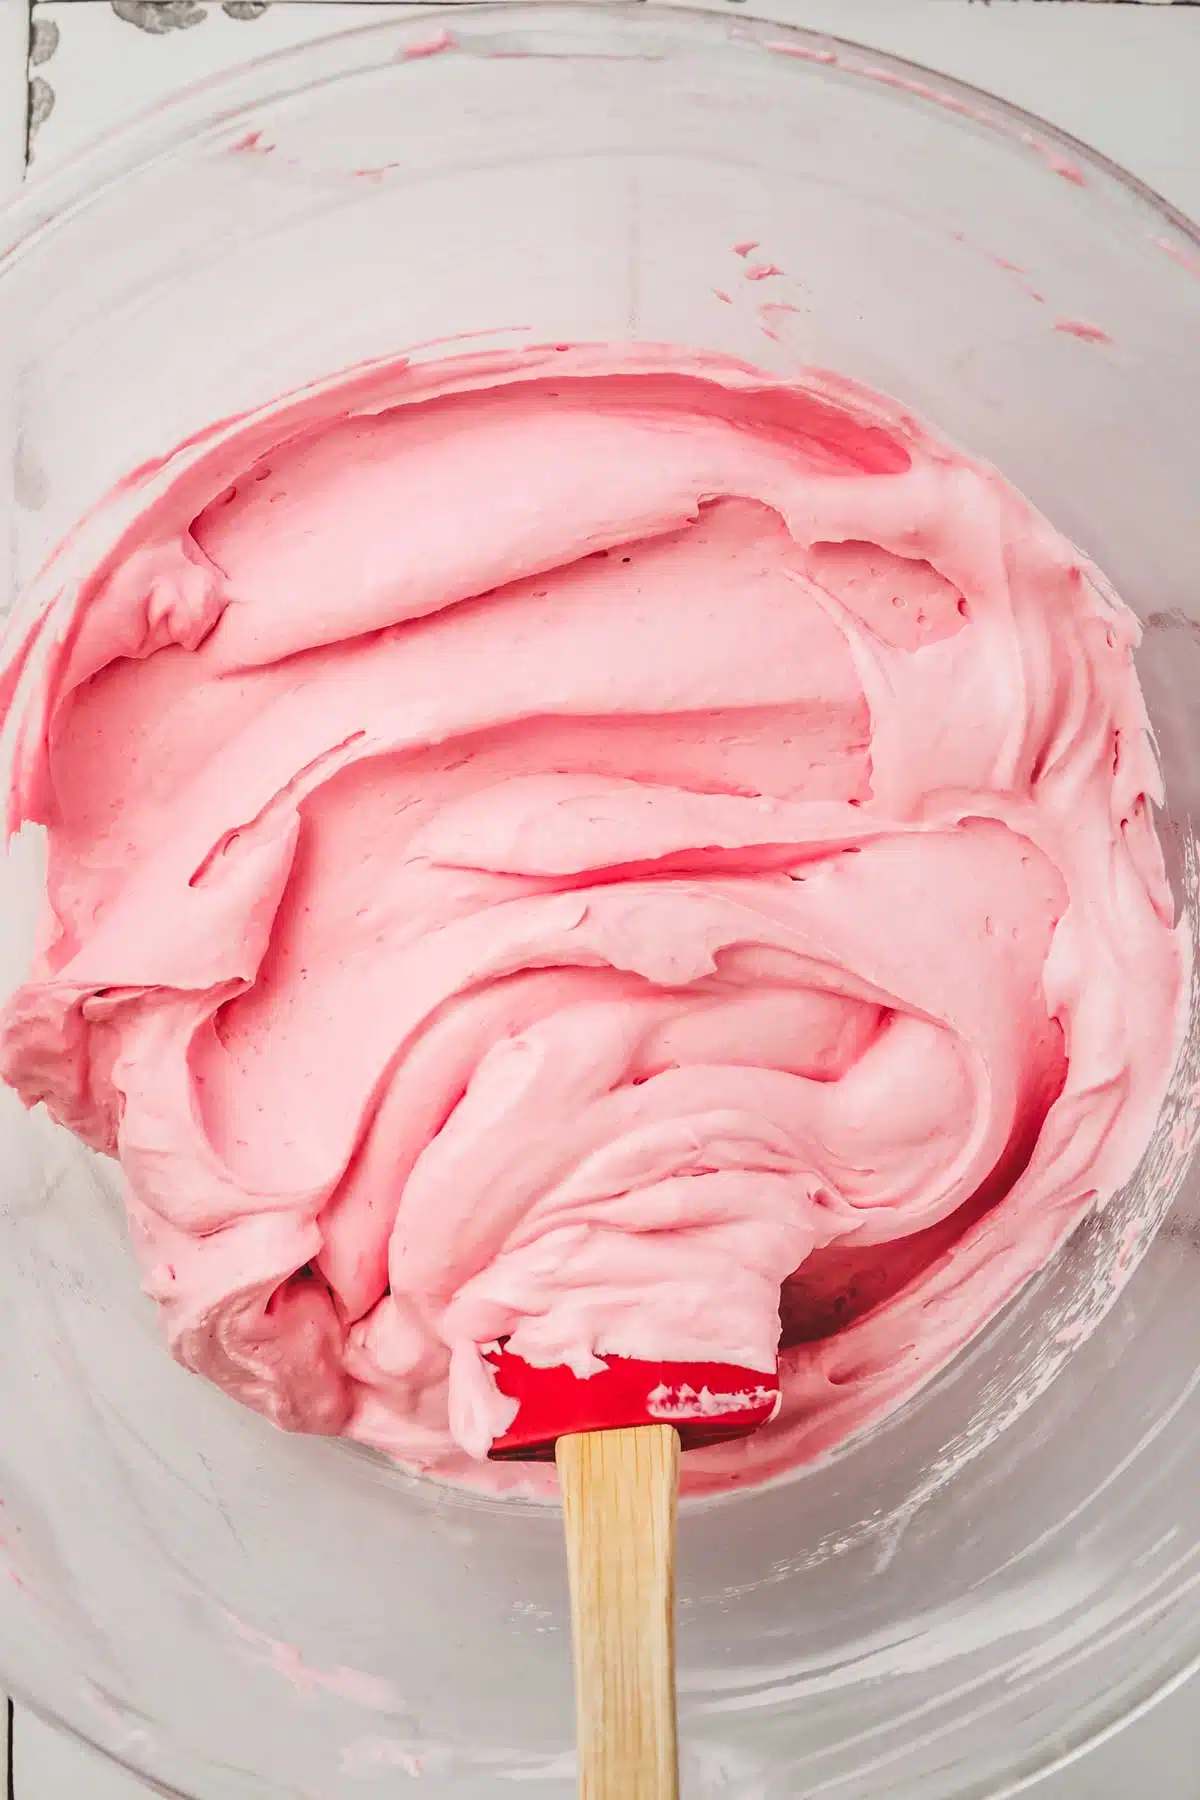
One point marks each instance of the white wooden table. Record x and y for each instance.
(1125, 78)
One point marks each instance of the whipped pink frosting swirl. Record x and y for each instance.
(565, 845)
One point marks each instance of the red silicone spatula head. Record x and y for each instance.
(706, 1402)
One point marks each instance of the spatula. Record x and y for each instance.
(616, 1436)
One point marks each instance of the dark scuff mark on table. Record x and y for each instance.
(43, 42)
(41, 104)
(160, 16)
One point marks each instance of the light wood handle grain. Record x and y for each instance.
(619, 1493)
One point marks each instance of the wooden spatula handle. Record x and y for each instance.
(619, 1493)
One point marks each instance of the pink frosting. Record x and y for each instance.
(564, 845)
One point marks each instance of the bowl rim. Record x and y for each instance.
(218, 103)
(46, 199)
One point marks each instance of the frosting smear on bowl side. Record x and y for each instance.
(570, 845)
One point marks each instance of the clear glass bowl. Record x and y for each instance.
(1007, 1566)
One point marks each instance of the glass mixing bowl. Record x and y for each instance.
(1007, 1566)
